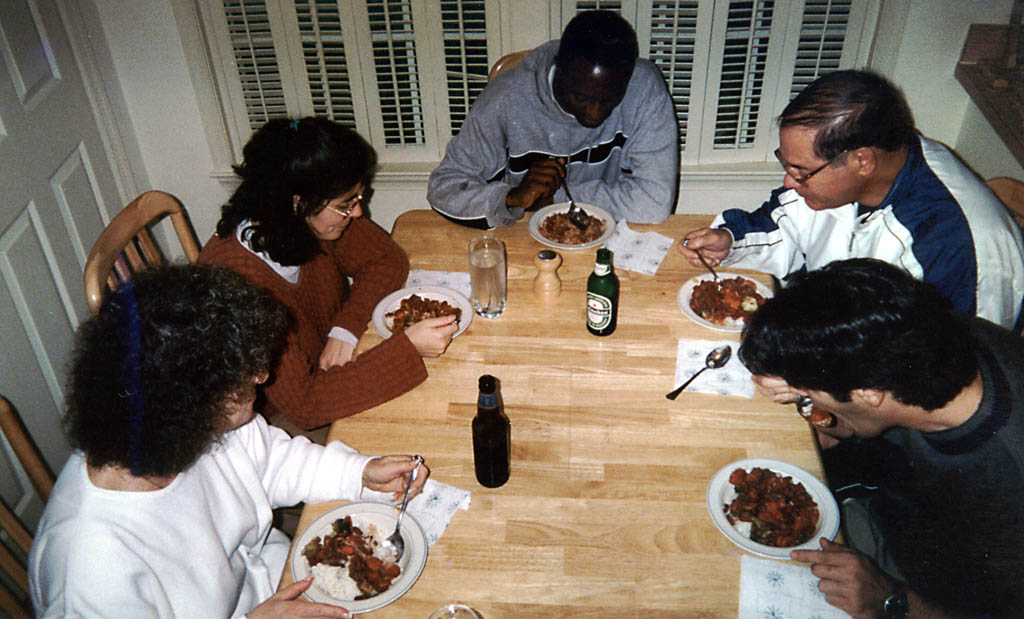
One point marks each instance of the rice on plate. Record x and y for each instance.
(376, 520)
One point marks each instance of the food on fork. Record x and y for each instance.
(559, 229)
(821, 417)
(780, 511)
(347, 563)
(415, 308)
(726, 301)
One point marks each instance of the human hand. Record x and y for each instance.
(336, 352)
(285, 604)
(776, 389)
(850, 580)
(539, 184)
(389, 474)
(432, 336)
(714, 244)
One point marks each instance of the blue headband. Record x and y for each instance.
(131, 372)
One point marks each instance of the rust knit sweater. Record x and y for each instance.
(320, 300)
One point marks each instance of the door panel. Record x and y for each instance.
(57, 189)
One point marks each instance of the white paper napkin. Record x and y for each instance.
(457, 281)
(731, 379)
(638, 251)
(776, 589)
(433, 508)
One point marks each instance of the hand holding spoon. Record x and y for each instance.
(715, 359)
(394, 544)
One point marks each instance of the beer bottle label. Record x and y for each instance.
(599, 311)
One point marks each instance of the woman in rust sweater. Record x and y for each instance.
(294, 227)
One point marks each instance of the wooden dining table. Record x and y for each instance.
(605, 513)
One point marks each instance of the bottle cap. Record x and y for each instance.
(486, 383)
(604, 255)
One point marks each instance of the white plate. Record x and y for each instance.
(563, 207)
(686, 291)
(383, 517)
(721, 492)
(439, 293)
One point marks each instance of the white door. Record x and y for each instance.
(56, 188)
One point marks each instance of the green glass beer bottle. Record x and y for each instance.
(602, 295)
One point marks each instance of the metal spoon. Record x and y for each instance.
(577, 216)
(716, 359)
(394, 544)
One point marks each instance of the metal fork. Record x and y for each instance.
(702, 260)
(706, 265)
(577, 216)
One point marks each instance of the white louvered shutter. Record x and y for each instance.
(746, 43)
(830, 34)
(405, 73)
(676, 43)
(466, 60)
(763, 51)
(322, 37)
(252, 47)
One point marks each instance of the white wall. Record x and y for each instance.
(163, 105)
(918, 47)
(923, 65)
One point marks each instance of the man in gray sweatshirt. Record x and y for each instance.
(584, 108)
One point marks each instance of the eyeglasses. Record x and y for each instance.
(800, 179)
(347, 206)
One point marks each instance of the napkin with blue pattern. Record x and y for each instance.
(731, 379)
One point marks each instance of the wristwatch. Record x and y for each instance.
(895, 606)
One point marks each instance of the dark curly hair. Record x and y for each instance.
(313, 158)
(852, 109)
(600, 37)
(862, 324)
(152, 372)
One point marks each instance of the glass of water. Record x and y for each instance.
(455, 611)
(487, 276)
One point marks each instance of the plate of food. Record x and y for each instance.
(724, 305)
(770, 507)
(551, 226)
(408, 306)
(341, 550)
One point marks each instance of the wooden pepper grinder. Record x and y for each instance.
(547, 286)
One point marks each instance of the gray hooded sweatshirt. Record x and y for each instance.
(628, 166)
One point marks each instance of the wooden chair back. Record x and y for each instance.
(15, 601)
(1011, 193)
(506, 62)
(126, 246)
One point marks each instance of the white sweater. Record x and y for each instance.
(201, 547)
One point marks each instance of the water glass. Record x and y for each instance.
(455, 611)
(487, 276)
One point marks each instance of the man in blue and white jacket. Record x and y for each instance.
(582, 108)
(861, 182)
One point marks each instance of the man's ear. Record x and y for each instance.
(864, 159)
(295, 204)
(871, 397)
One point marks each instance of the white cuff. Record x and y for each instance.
(344, 335)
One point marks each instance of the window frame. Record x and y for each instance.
(502, 26)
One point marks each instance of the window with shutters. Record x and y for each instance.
(406, 72)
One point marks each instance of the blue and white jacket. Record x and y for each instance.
(939, 222)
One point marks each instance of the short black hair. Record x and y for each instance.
(862, 324)
(852, 109)
(152, 371)
(314, 158)
(601, 38)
